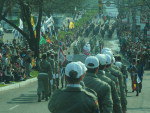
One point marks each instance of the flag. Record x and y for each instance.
(32, 21)
(42, 40)
(33, 25)
(20, 24)
(71, 25)
(48, 40)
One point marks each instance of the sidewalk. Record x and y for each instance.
(18, 85)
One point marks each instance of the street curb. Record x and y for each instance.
(18, 85)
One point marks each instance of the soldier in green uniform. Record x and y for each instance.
(50, 59)
(115, 72)
(123, 70)
(76, 49)
(56, 72)
(73, 98)
(43, 78)
(101, 74)
(109, 75)
(102, 89)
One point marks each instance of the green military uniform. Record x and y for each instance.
(43, 86)
(113, 78)
(73, 100)
(51, 61)
(125, 73)
(82, 44)
(114, 71)
(43, 79)
(115, 97)
(103, 91)
(55, 81)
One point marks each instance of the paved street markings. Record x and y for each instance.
(13, 107)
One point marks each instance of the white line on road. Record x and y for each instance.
(13, 107)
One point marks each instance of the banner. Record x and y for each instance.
(33, 25)
(42, 40)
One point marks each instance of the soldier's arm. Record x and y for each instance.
(93, 103)
(51, 104)
(123, 99)
(53, 101)
(95, 107)
(107, 100)
(116, 99)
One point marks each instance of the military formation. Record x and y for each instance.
(96, 86)
(96, 82)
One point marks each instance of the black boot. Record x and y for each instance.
(137, 93)
(39, 98)
(43, 96)
(46, 98)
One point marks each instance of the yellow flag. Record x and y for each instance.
(33, 25)
(32, 21)
(71, 25)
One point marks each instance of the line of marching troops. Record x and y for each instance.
(98, 86)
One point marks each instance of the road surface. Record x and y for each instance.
(24, 100)
(141, 103)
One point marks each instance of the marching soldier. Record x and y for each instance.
(115, 72)
(124, 71)
(75, 98)
(101, 88)
(43, 78)
(56, 72)
(51, 61)
(101, 74)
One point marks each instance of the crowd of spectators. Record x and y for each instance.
(135, 47)
(15, 62)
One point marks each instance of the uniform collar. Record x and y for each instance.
(91, 74)
(102, 72)
(74, 85)
(107, 70)
(73, 89)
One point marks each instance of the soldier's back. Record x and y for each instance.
(114, 92)
(103, 91)
(73, 100)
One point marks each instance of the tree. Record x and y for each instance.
(63, 6)
(27, 7)
(26, 14)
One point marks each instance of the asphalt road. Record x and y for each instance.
(22, 100)
(141, 103)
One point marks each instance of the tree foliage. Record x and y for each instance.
(28, 7)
